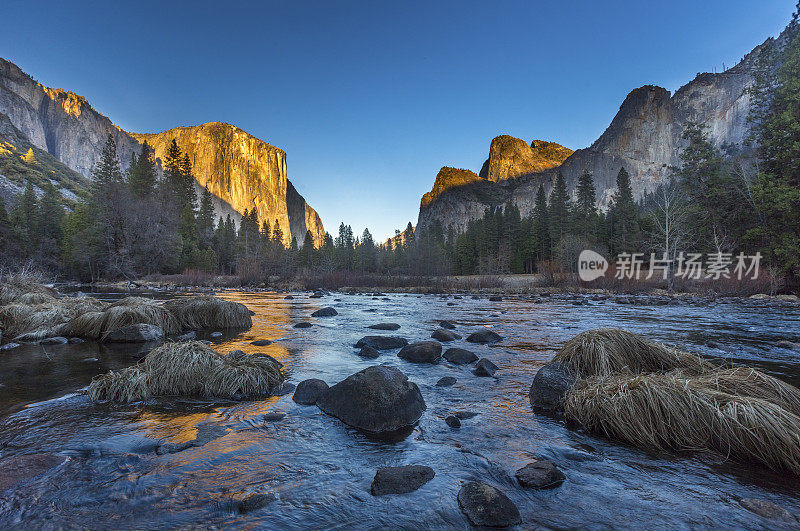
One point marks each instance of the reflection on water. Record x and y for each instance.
(320, 470)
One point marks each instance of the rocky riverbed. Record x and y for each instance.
(284, 463)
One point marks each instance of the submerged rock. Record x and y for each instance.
(447, 381)
(385, 326)
(19, 468)
(422, 352)
(447, 325)
(215, 334)
(57, 340)
(75, 341)
(382, 342)
(253, 502)
(484, 336)
(309, 391)
(188, 336)
(261, 342)
(445, 335)
(303, 324)
(460, 356)
(486, 506)
(550, 385)
(378, 400)
(368, 352)
(400, 479)
(453, 421)
(542, 474)
(769, 510)
(495, 298)
(317, 295)
(274, 416)
(284, 389)
(325, 312)
(288, 298)
(485, 368)
(136, 333)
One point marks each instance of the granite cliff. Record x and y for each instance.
(644, 137)
(241, 171)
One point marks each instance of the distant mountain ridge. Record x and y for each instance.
(645, 137)
(64, 125)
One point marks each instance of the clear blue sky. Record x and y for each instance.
(369, 99)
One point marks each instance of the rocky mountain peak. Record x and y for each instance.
(446, 179)
(511, 157)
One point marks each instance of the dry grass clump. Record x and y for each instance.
(125, 312)
(207, 312)
(607, 351)
(36, 321)
(189, 369)
(25, 289)
(680, 412)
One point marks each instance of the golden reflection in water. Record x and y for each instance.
(173, 427)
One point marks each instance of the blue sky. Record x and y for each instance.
(369, 99)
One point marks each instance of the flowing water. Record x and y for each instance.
(317, 471)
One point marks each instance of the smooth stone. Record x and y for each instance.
(136, 333)
(463, 415)
(446, 381)
(453, 421)
(487, 506)
(303, 325)
(400, 479)
(308, 391)
(19, 468)
(261, 342)
(75, 341)
(368, 352)
(385, 326)
(447, 325)
(317, 295)
(325, 312)
(444, 335)
(460, 356)
(451, 304)
(382, 342)
(484, 336)
(9, 346)
(378, 400)
(422, 352)
(550, 385)
(274, 416)
(253, 502)
(485, 367)
(188, 336)
(542, 474)
(57, 340)
(495, 298)
(284, 389)
(769, 510)
(215, 334)
(288, 298)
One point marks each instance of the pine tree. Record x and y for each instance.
(26, 219)
(277, 233)
(585, 207)
(189, 196)
(142, 172)
(306, 257)
(541, 226)
(205, 220)
(623, 217)
(559, 210)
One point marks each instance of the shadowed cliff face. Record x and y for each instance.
(243, 171)
(645, 137)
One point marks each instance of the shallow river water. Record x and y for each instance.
(319, 471)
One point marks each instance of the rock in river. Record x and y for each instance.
(303, 324)
(325, 312)
(378, 400)
(57, 340)
(460, 356)
(444, 335)
(308, 391)
(422, 352)
(446, 381)
(485, 368)
(550, 385)
(484, 336)
(368, 352)
(447, 325)
(385, 326)
(486, 506)
(453, 421)
(18, 468)
(136, 333)
(261, 342)
(400, 479)
(382, 342)
(541, 474)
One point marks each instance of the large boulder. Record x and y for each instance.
(484, 336)
(308, 391)
(378, 400)
(485, 367)
(422, 352)
(444, 335)
(486, 506)
(541, 474)
(460, 356)
(447, 325)
(385, 326)
(325, 312)
(400, 479)
(382, 342)
(550, 385)
(135, 333)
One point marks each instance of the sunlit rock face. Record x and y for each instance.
(244, 172)
(511, 157)
(645, 137)
(59, 122)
